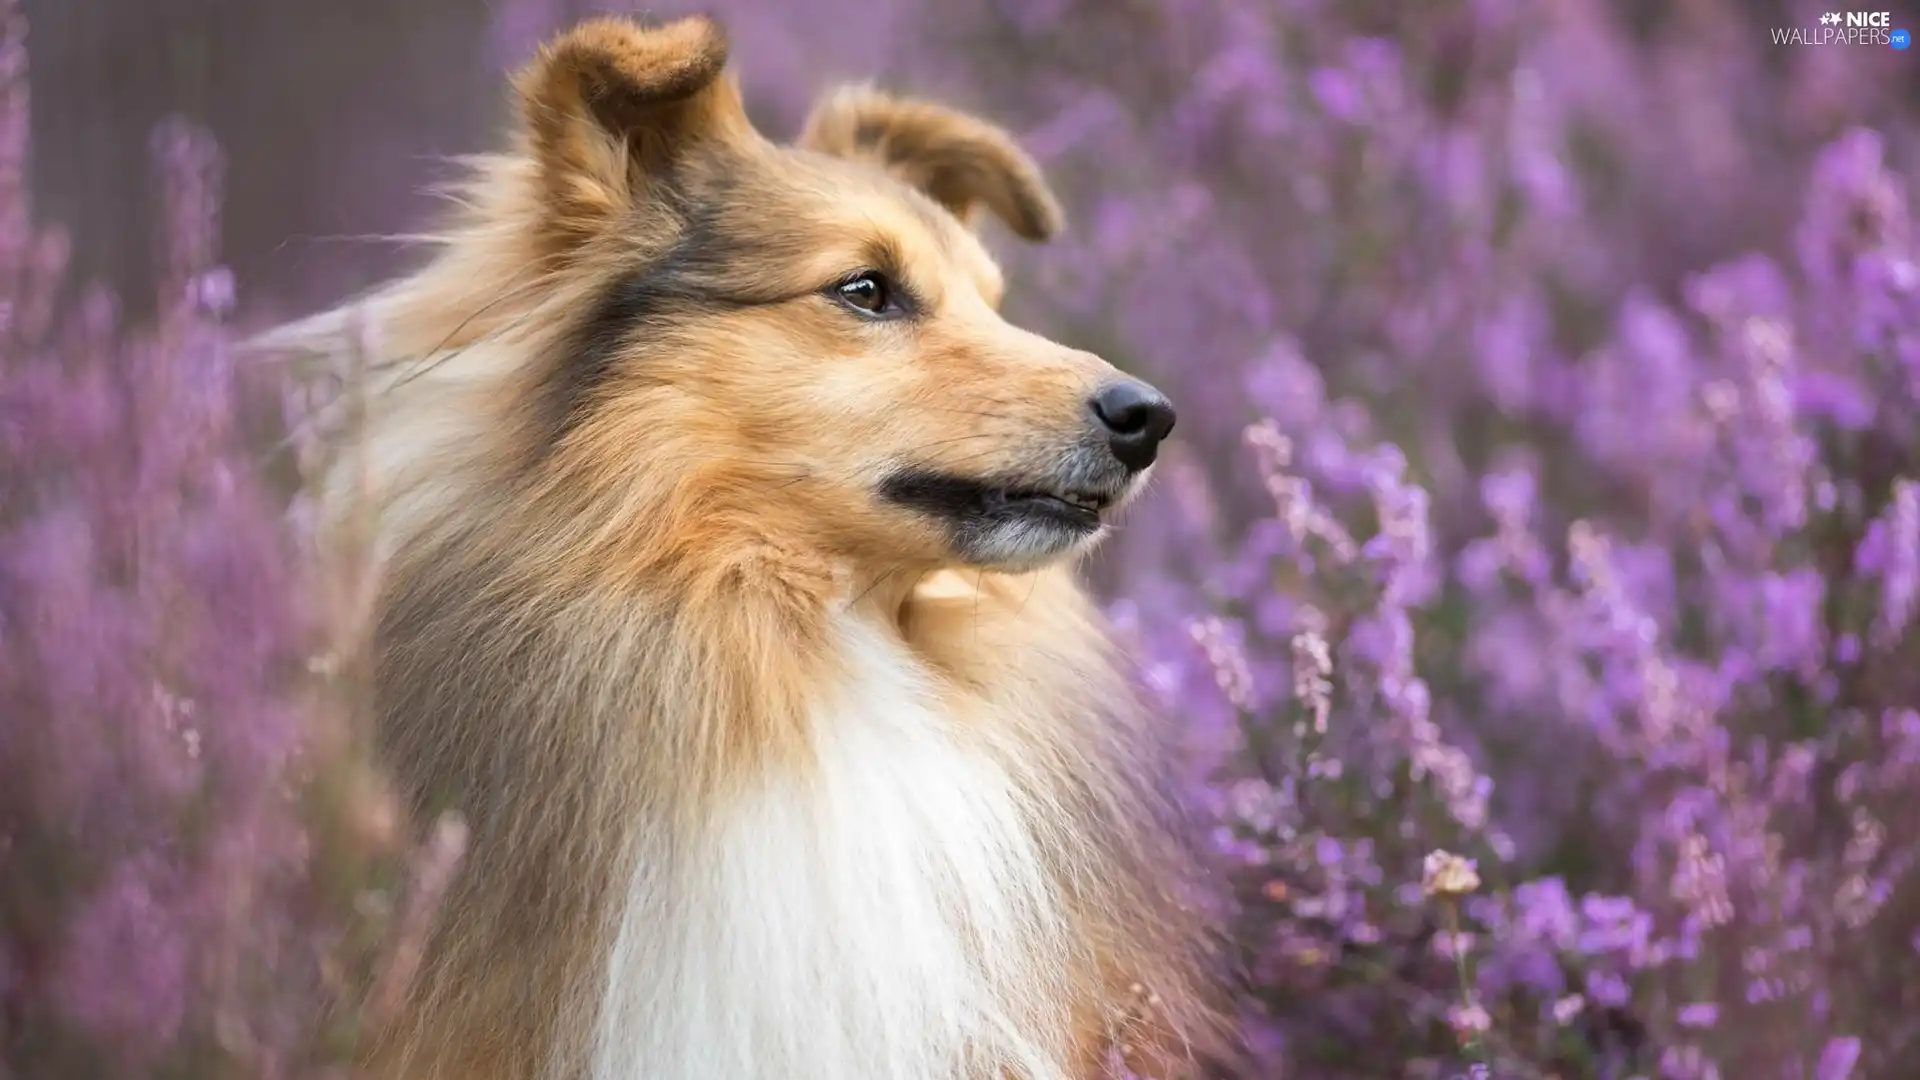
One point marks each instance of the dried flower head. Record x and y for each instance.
(1444, 874)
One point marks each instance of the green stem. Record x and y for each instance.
(1472, 1044)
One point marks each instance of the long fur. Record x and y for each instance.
(765, 778)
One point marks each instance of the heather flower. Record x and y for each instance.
(1698, 1015)
(1229, 664)
(1312, 668)
(1445, 874)
(1838, 1059)
(1469, 1022)
(1890, 551)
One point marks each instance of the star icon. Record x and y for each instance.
(1831, 18)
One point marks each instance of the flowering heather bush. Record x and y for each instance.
(196, 861)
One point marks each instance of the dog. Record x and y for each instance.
(727, 537)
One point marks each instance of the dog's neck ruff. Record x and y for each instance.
(887, 914)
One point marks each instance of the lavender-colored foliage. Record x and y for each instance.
(195, 856)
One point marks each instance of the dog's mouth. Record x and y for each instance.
(1076, 506)
(982, 503)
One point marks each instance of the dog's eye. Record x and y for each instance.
(869, 292)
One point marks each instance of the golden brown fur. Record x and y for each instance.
(626, 456)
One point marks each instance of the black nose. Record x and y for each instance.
(1136, 417)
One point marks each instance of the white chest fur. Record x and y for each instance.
(886, 917)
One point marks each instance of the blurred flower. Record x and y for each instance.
(1445, 874)
(1469, 1022)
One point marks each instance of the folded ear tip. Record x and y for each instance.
(1024, 198)
(1041, 216)
(691, 33)
(702, 35)
(958, 158)
(663, 61)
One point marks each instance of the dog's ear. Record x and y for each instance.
(961, 161)
(611, 107)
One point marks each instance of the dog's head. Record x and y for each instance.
(813, 329)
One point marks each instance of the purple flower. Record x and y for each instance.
(1698, 1015)
(123, 972)
(1890, 551)
(1838, 1059)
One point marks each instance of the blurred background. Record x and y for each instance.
(1548, 495)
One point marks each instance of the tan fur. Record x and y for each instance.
(624, 455)
(962, 162)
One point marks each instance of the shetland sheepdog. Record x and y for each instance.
(727, 535)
